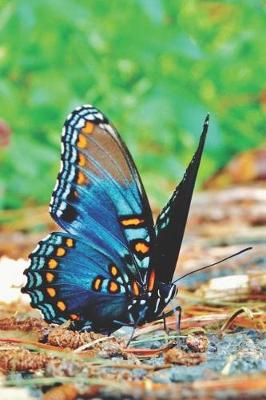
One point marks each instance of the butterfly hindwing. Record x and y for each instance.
(71, 280)
(171, 222)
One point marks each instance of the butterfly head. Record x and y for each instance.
(163, 294)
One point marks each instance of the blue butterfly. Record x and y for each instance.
(111, 265)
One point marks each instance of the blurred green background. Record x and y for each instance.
(155, 67)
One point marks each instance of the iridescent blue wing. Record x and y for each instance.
(90, 273)
(99, 192)
(171, 222)
(72, 280)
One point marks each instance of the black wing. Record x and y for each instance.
(171, 222)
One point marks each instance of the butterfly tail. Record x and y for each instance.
(171, 222)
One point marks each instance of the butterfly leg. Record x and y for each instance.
(131, 336)
(141, 315)
(165, 327)
(178, 313)
(176, 310)
(132, 333)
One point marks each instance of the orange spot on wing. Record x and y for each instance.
(81, 179)
(61, 305)
(81, 160)
(82, 142)
(49, 277)
(142, 247)
(132, 221)
(135, 288)
(52, 263)
(69, 242)
(88, 128)
(74, 317)
(114, 270)
(51, 291)
(97, 284)
(151, 281)
(113, 287)
(60, 252)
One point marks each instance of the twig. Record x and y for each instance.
(232, 317)
(93, 343)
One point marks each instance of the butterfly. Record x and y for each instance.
(112, 265)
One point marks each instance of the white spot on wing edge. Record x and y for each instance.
(61, 166)
(99, 115)
(80, 123)
(36, 249)
(90, 117)
(56, 185)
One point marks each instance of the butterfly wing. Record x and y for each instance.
(99, 191)
(99, 200)
(72, 280)
(171, 222)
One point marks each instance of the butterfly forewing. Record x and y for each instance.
(171, 222)
(98, 188)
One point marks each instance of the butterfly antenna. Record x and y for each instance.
(211, 265)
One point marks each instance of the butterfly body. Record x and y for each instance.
(111, 266)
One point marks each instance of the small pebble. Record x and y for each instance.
(197, 343)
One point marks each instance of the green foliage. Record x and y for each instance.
(155, 67)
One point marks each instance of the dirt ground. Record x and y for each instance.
(219, 353)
